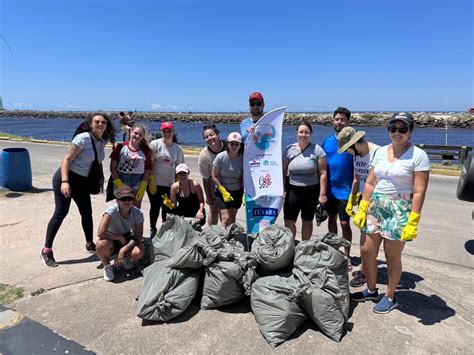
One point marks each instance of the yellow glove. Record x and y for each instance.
(411, 229)
(119, 183)
(152, 185)
(361, 216)
(243, 199)
(141, 190)
(167, 202)
(356, 199)
(353, 200)
(225, 194)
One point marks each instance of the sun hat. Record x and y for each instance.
(126, 192)
(347, 137)
(182, 168)
(165, 125)
(234, 137)
(256, 96)
(405, 117)
(321, 214)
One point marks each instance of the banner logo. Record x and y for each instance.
(265, 212)
(265, 137)
(265, 181)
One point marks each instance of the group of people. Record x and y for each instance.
(386, 184)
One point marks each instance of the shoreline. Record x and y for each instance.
(422, 119)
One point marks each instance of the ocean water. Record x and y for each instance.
(190, 134)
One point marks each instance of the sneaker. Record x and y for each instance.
(109, 273)
(385, 305)
(90, 247)
(358, 280)
(48, 259)
(128, 264)
(365, 295)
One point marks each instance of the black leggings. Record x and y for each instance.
(156, 202)
(82, 198)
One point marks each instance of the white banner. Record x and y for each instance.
(263, 177)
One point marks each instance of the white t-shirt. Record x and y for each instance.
(165, 164)
(397, 177)
(83, 162)
(362, 165)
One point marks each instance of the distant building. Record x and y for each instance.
(1, 104)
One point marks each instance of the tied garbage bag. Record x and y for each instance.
(275, 302)
(323, 253)
(274, 248)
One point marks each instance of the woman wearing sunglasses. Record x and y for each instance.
(70, 181)
(167, 155)
(120, 232)
(227, 174)
(391, 206)
(214, 145)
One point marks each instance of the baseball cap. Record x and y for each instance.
(404, 117)
(256, 96)
(126, 192)
(234, 137)
(347, 137)
(165, 125)
(182, 168)
(321, 214)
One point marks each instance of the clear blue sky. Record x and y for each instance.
(210, 55)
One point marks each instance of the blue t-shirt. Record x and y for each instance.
(244, 125)
(340, 170)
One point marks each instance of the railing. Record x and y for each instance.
(446, 152)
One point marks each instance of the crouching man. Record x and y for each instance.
(120, 232)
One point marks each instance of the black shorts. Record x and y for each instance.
(118, 245)
(301, 198)
(335, 206)
(236, 195)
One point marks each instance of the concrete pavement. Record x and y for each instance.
(435, 314)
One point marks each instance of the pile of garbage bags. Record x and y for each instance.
(287, 284)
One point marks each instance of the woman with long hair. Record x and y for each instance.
(214, 145)
(131, 164)
(70, 181)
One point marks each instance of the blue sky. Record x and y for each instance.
(210, 55)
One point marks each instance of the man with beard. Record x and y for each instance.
(340, 171)
(256, 111)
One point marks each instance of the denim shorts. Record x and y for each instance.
(131, 180)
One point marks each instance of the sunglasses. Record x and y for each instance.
(402, 130)
(256, 103)
(126, 199)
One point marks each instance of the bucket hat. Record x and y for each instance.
(347, 137)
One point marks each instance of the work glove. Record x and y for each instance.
(167, 202)
(119, 183)
(361, 216)
(225, 194)
(353, 200)
(152, 185)
(141, 190)
(411, 229)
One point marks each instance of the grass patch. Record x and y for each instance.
(12, 136)
(9, 294)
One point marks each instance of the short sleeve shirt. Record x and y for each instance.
(303, 166)
(397, 177)
(230, 171)
(205, 160)
(167, 158)
(362, 165)
(244, 125)
(121, 225)
(131, 161)
(83, 162)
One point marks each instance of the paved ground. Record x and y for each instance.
(436, 303)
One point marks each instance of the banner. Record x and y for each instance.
(263, 176)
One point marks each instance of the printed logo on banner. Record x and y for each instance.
(254, 163)
(265, 212)
(265, 181)
(265, 137)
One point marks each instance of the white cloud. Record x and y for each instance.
(155, 106)
(173, 107)
(67, 106)
(21, 105)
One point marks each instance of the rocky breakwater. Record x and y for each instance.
(422, 119)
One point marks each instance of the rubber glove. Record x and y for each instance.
(361, 216)
(152, 185)
(411, 229)
(353, 200)
(225, 194)
(119, 183)
(167, 202)
(141, 190)
(243, 199)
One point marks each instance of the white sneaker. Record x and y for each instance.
(109, 273)
(128, 264)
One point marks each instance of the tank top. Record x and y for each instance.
(187, 206)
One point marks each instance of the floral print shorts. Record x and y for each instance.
(388, 215)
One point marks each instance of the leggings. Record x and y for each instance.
(82, 198)
(156, 202)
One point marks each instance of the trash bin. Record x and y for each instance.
(15, 169)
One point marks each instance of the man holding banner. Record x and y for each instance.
(256, 111)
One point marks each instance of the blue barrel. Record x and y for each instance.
(15, 169)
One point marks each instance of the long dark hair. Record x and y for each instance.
(85, 126)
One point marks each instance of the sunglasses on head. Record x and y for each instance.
(126, 198)
(402, 130)
(256, 103)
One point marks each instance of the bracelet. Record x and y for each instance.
(62, 182)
